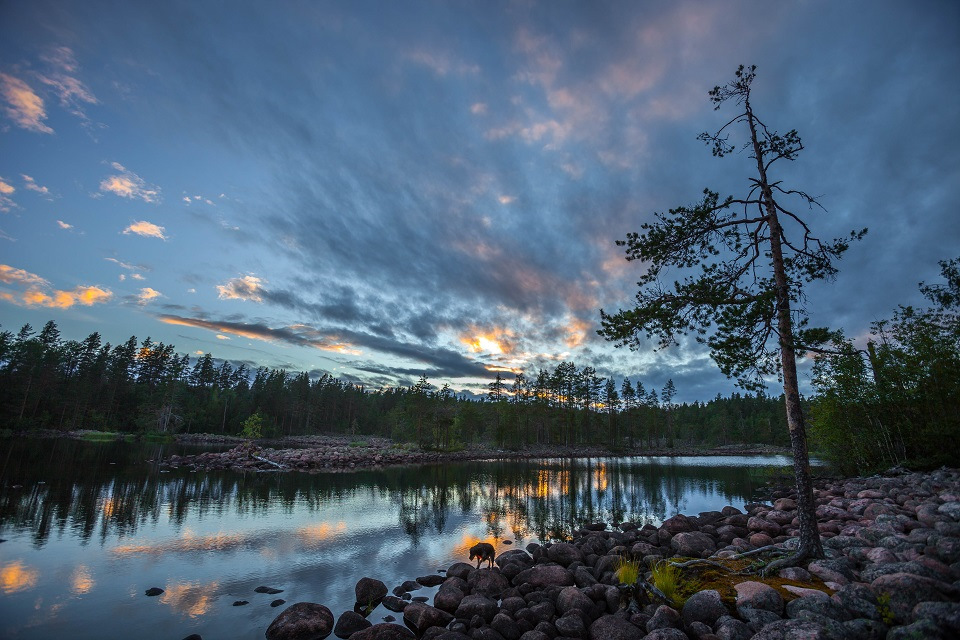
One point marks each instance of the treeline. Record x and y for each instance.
(147, 387)
(898, 400)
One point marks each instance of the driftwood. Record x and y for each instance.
(772, 549)
(262, 459)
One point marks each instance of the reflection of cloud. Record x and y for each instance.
(146, 229)
(191, 598)
(81, 581)
(314, 533)
(16, 577)
(127, 184)
(25, 107)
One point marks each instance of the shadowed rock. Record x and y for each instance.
(301, 621)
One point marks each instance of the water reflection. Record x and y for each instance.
(91, 526)
(85, 496)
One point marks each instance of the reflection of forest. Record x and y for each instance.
(107, 490)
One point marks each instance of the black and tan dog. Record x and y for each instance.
(482, 551)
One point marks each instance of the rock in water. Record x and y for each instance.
(349, 623)
(154, 591)
(370, 590)
(268, 590)
(301, 621)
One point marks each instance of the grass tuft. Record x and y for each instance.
(668, 579)
(628, 571)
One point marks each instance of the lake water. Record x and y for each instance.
(88, 527)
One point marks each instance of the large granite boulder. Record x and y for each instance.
(703, 606)
(302, 621)
(370, 590)
(420, 616)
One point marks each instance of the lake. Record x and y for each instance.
(88, 527)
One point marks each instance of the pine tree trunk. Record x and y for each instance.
(810, 545)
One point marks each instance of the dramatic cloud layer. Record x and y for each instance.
(385, 190)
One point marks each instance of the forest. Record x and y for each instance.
(895, 402)
(147, 387)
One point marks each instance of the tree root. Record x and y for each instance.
(771, 549)
(790, 561)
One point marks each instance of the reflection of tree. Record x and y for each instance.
(545, 499)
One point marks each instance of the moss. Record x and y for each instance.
(724, 582)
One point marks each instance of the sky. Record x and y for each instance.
(384, 190)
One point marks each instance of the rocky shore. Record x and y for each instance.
(892, 571)
(334, 453)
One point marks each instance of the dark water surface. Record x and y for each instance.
(90, 526)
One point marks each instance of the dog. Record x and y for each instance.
(482, 551)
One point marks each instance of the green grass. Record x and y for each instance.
(669, 580)
(628, 571)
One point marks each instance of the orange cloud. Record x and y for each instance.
(146, 229)
(127, 184)
(5, 189)
(576, 331)
(31, 185)
(15, 576)
(147, 294)
(39, 293)
(493, 341)
(244, 288)
(25, 107)
(297, 335)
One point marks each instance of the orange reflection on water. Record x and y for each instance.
(189, 542)
(602, 477)
(190, 598)
(15, 577)
(81, 581)
(314, 533)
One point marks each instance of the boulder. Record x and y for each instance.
(564, 553)
(571, 598)
(477, 605)
(302, 621)
(819, 603)
(349, 623)
(693, 544)
(506, 627)
(792, 630)
(369, 590)
(611, 627)
(383, 631)
(420, 617)
(431, 580)
(678, 524)
(907, 590)
(667, 633)
(664, 617)
(757, 595)
(570, 625)
(460, 570)
(449, 596)
(393, 603)
(546, 575)
(703, 606)
(488, 582)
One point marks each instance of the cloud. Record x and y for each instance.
(24, 106)
(38, 292)
(298, 335)
(73, 94)
(478, 108)
(31, 185)
(146, 229)
(442, 64)
(243, 288)
(127, 184)
(147, 294)
(64, 225)
(6, 189)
